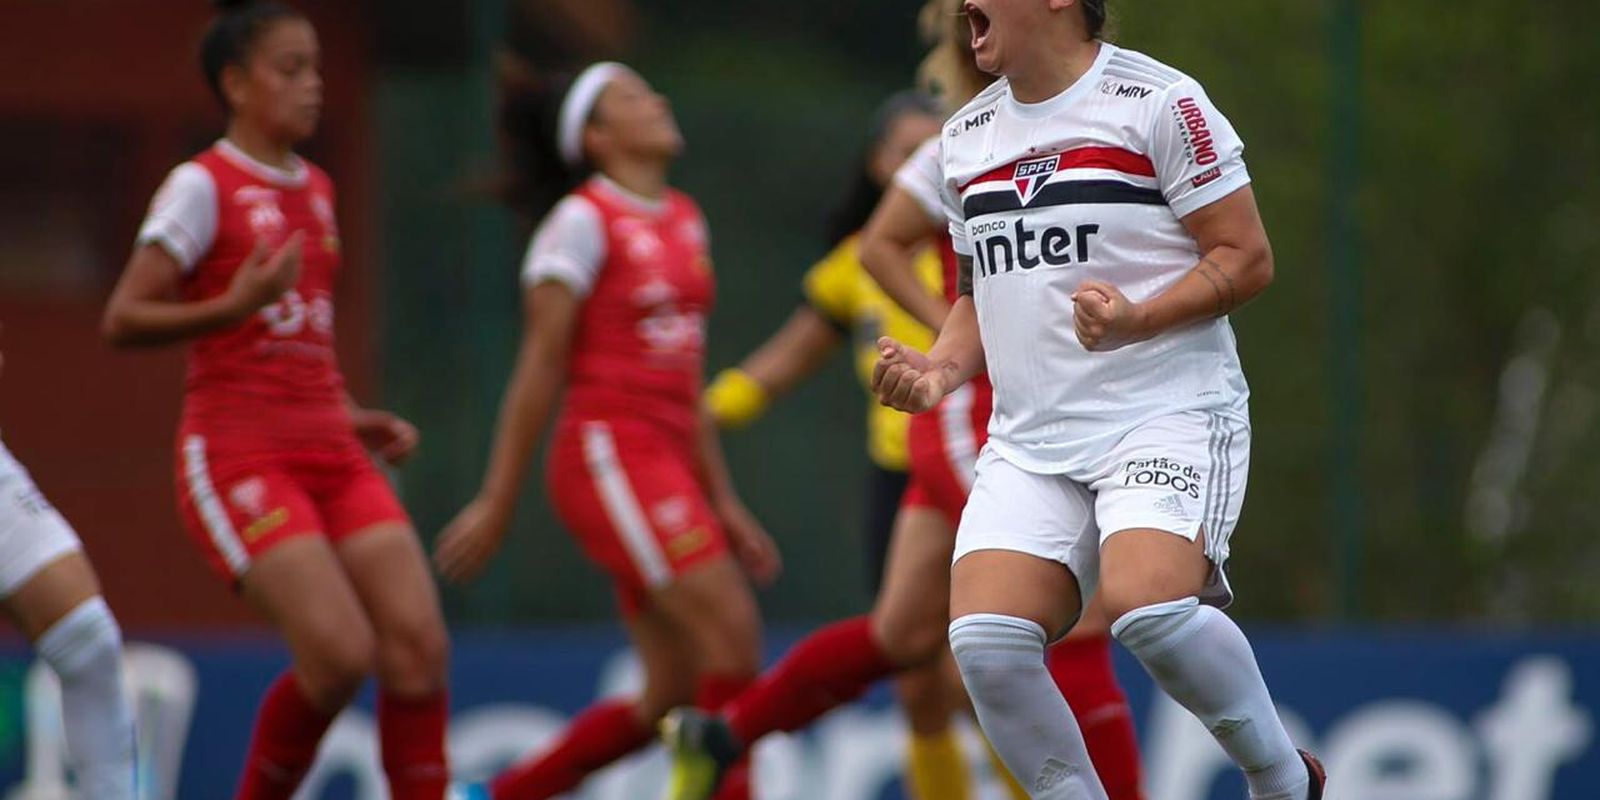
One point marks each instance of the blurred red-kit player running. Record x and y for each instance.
(238, 256)
(617, 288)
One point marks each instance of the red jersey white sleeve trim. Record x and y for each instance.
(1199, 157)
(569, 247)
(921, 177)
(183, 215)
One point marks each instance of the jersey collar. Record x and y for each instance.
(293, 178)
(1054, 105)
(632, 200)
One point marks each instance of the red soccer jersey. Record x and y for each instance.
(272, 381)
(643, 271)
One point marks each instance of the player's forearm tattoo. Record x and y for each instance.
(964, 275)
(1221, 284)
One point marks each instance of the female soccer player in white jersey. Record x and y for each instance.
(904, 635)
(50, 592)
(1102, 211)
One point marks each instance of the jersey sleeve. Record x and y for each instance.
(1199, 157)
(955, 215)
(569, 247)
(920, 177)
(183, 216)
(830, 286)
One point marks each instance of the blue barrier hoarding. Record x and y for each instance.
(1421, 715)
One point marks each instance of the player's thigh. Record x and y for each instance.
(912, 610)
(43, 572)
(302, 589)
(1143, 566)
(1026, 547)
(51, 593)
(1168, 503)
(389, 573)
(714, 604)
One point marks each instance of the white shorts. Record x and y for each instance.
(33, 534)
(1184, 473)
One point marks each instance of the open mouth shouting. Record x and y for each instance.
(979, 22)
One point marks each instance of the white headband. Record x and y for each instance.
(579, 103)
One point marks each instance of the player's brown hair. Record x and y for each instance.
(1096, 17)
(238, 24)
(531, 176)
(949, 71)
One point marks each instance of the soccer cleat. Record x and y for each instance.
(468, 791)
(702, 749)
(1319, 776)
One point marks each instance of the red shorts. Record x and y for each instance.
(238, 504)
(630, 495)
(944, 446)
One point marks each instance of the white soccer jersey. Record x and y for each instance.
(921, 177)
(1090, 184)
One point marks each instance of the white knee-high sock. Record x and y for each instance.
(1020, 708)
(1203, 661)
(85, 650)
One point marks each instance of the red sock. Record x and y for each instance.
(824, 671)
(715, 692)
(1082, 669)
(412, 731)
(603, 733)
(288, 730)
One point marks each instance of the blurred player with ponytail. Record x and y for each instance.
(617, 287)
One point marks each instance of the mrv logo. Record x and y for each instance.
(977, 120)
(1005, 252)
(1126, 90)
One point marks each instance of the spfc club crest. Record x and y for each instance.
(1030, 176)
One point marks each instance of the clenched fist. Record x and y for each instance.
(1104, 318)
(907, 380)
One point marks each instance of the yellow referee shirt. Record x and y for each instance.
(840, 289)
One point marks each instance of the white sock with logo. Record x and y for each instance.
(85, 650)
(1020, 708)
(1202, 660)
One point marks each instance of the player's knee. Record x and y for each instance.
(1123, 592)
(913, 642)
(415, 658)
(86, 639)
(991, 649)
(1143, 626)
(734, 638)
(334, 672)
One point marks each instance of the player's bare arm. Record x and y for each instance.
(1237, 266)
(751, 544)
(474, 536)
(898, 230)
(915, 382)
(146, 310)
